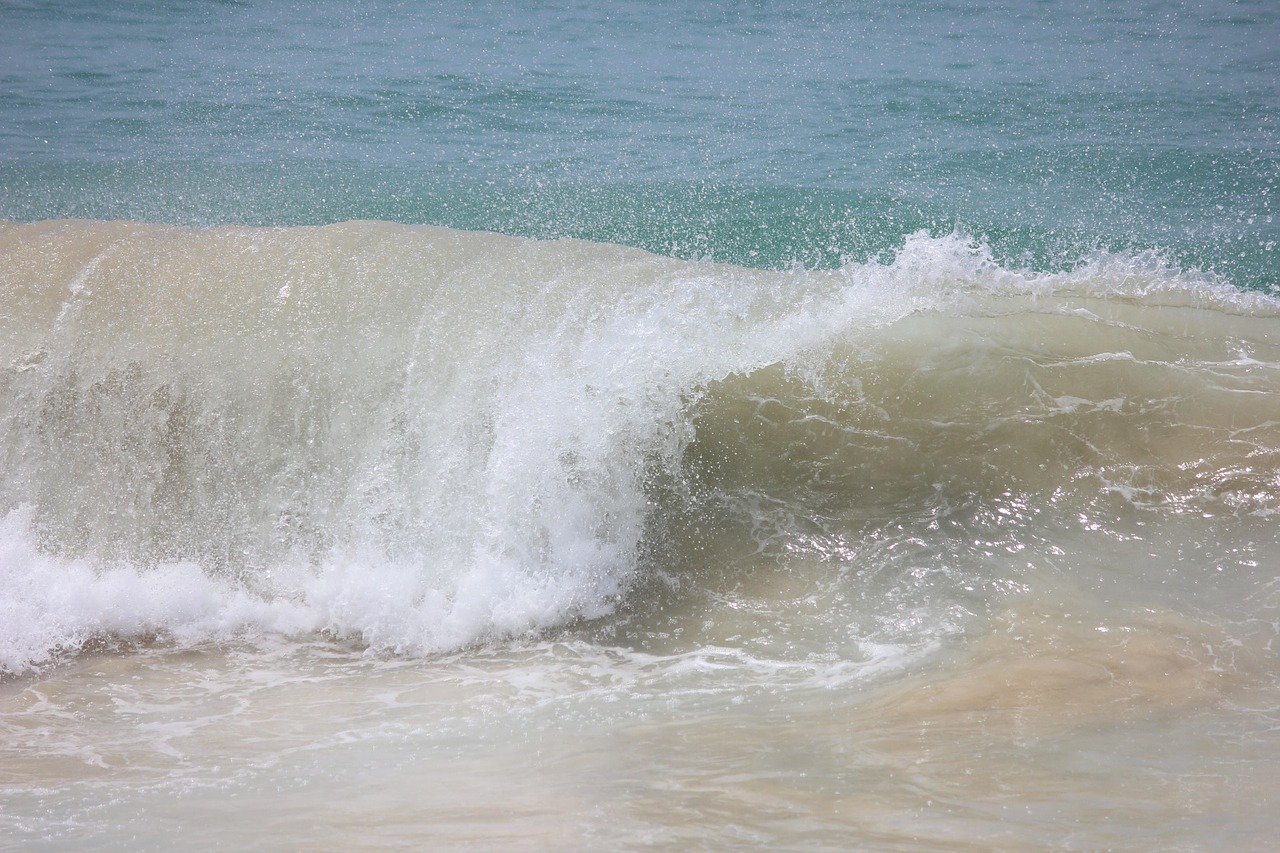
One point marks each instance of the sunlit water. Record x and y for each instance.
(891, 461)
(1149, 735)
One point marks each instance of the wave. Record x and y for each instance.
(422, 438)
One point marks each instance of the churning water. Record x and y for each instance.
(620, 426)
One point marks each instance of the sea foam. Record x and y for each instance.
(421, 438)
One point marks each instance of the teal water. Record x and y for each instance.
(760, 135)
(894, 463)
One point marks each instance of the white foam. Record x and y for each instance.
(52, 605)
(421, 438)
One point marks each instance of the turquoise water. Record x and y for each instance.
(891, 462)
(749, 133)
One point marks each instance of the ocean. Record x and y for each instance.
(639, 425)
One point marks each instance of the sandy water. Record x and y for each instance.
(919, 493)
(1048, 733)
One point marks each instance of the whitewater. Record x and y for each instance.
(639, 425)
(479, 489)
(423, 438)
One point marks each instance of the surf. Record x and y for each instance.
(420, 439)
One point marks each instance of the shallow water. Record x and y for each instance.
(1155, 734)
(878, 447)
(639, 552)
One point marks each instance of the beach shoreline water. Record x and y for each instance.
(639, 425)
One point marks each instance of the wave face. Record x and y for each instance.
(423, 438)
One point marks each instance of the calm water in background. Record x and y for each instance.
(918, 492)
(756, 133)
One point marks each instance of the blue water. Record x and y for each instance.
(949, 524)
(766, 135)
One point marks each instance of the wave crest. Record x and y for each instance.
(422, 438)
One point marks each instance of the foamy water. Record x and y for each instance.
(576, 425)
(374, 534)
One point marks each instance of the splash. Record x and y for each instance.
(423, 438)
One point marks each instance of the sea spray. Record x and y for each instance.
(421, 438)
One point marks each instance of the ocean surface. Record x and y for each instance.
(639, 426)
